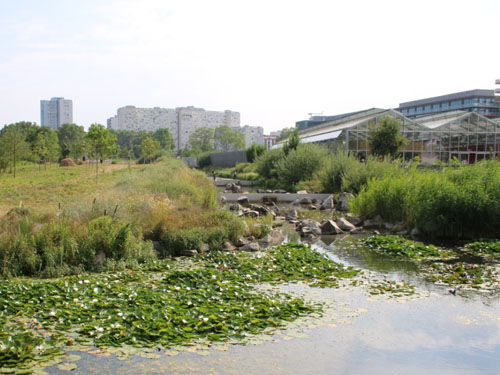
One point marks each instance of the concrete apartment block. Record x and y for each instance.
(56, 112)
(181, 122)
(252, 134)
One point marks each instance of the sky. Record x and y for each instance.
(273, 61)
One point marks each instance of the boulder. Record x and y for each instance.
(252, 246)
(227, 246)
(260, 191)
(375, 223)
(302, 192)
(241, 242)
(204, 248)
(223, 199)
(357, 230)
(305, 200)
(275, 237)
(314, 226)
(251, 213)
(353, 219)
(327, 204)
(344, 224)
(279, 191)
(291, 215)
(243, 200)
(330, 227)
(415, 232)
(343, 201)
(313, 207)
(235, 207)
(305, 232)
(296, 202)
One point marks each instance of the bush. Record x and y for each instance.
(456, 202)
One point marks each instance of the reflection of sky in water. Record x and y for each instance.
(440, 334)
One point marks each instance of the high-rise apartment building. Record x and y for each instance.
(251, 134)
(181, 122)
(55, 112)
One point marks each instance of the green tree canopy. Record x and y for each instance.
(13, 144)
(202, 140)
(385, 137)
(227, 139)
(254, 151)
(71, 140)
(44, 144)
(149, 148)
(285, 133)
(100, 143)
(292, 142)
(165, 139)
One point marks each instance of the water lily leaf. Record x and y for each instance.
(67, 366)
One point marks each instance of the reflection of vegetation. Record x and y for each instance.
(162, 304)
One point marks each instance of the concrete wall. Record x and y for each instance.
(190, 161)
(228, 159)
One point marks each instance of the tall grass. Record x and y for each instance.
(115, 224)
(455, 202)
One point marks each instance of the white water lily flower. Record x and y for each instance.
(52, 313)
(96, 290)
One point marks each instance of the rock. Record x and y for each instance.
(353, 219)
(344, 224)
(275, 237)
(227, 246)
(241, 242)
(188, 253)
(327, 204)
(330, 227)
(302, 192)
(343, 201)
(260, 191)
(204, 248)
(223, 199)
(305, 231)
(279, 191)
(296, 202)
(251, 213)
(269, 201)
(376, 233)
(313, 207)
(313, 226)
(305, 200)
(233, 188)
(291, 215)
(235, 207)
(243, 200)
(253, 246)
(357, 230)
(389, 226)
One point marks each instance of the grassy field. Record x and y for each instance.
(59, 221)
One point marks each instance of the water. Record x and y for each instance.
(432, 333)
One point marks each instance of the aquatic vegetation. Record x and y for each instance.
(400, 247)
(394, 288)
(161, 304)
(484, 248)
(465, 274)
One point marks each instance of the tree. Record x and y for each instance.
(254, 151)
(13, 144)
(100, 143)
(202, 140)
(385, 137)
(149, 148)
(44, 144)
(292, 142)
(71, 140)
(285, 133)
(165, 139)
(227, 139)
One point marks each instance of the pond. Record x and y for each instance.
(429, 332)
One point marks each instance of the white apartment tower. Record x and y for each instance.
(252, 134)
(55, 112)
(181, 122)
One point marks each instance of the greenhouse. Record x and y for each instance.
(464, 136)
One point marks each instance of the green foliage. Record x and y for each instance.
(267, 163)
(149, 148)
(202, 140)
(71, 140)
(292, 142)
(285, 134)
(159, 305)
(165, 139)
(254, 151)
(226, 139)
(100, 142)
(300, 164)
(455, 202)
(485, 248)
(13, 144)
(385, 137)
(400, 247)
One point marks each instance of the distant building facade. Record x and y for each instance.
(479, 101)
(252, 134)
(181, 122)
(56, 112)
